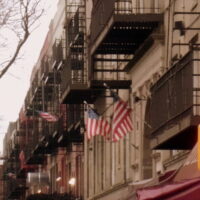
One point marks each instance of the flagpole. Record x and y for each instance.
(107, 87)
(115, 99)
(114, 94)
(107, 108)
(113, 103)
(85, 102)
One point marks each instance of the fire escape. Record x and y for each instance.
(74, 90)
(75, 73)
(51, 98)
(33, 102)
(50, 103)
(173, 110)
(44, 96)
(120, 31)
(14, 172)
(24, 122)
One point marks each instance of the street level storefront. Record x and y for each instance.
(184, 186)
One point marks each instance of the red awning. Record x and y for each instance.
(184, 186)
(184, 190)
(189, 169)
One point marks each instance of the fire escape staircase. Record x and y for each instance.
(117, 33)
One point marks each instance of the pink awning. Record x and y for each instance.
(184, 190)
(184, 186)
(189, 169)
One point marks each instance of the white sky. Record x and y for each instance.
(15, 83)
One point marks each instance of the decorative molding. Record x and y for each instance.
(111, 190)
(175, 158)
(135, 165)
(156, 155)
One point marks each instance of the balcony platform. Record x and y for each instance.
(113, 84)
(36, 159)
(50, 145)
(173, 111)
(78, 93)
(71, 136)
(123, 33)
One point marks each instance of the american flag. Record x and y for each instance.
(122, 123)
(22, 161)
(22, 158)
(47, 116)
(11, 175)
(96, 125)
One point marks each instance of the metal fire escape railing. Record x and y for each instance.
(130, 7)
(118, 29)
(36, 88)
(75, 116)
(182, 28)
(110, 67)
(70, 125)
(105, 10)
(58, 53)
(14, 184)
(75, 70)
(48, 100)
(44, 95)
(174, 99)
(33, 139)
(33, 129)
(51, 95)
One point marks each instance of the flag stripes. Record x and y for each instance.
(122, 123)
(47, 116)
(96, 125)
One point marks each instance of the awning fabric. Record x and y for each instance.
(189, 169)
(185, 190)
(184, 186)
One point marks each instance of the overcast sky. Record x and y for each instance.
(14, 84)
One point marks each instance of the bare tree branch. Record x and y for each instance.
(18, 16)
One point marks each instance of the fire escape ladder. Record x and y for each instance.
(180, 29)
(58, 54)
(51, 98)
(74, 74)
(118, 30)
(76, 47)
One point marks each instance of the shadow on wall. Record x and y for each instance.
(54, 196)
